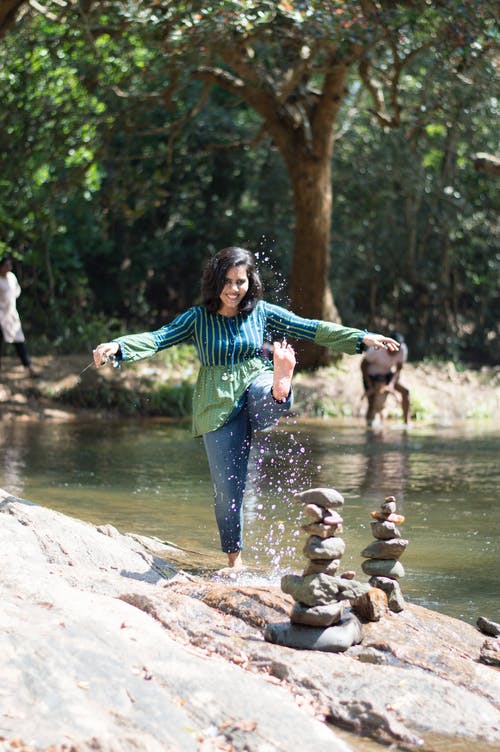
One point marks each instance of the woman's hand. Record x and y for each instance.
(378, 340)
(104, 351)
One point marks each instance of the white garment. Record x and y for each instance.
(10, 323)
(381, 361)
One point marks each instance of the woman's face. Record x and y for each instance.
(234, 290)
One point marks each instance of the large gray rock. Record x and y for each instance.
(106, 647)
(336, 639)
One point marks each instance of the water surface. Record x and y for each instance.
(150, 477)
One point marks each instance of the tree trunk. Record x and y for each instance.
(309, 283)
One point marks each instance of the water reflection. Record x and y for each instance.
(151, 477)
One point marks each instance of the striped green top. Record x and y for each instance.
(230, 351)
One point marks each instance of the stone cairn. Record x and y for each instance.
(382, 555)
(321, 617)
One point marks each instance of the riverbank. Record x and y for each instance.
(118, 648)
(163, 386)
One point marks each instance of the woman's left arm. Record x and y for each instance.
(379, 340)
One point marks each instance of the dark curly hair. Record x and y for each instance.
(214, 279)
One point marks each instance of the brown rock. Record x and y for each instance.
(398, 519)
(371, 606)
(490, 652)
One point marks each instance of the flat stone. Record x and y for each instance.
(384, 567)
(321, 530)
(385, 549)
(324, 497)
(327, 566)
(384, 530)
(327, 548)
(392, 589)
(318, 616)
(334, 639)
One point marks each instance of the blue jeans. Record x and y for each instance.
(228, 450)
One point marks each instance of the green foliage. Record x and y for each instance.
(112, 197)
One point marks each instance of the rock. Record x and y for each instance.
(314, 511)
(317, 616)
(392, 589)
(324, 497)
(349, 574)
(319, 548)
(334, 639)
(321, 529)
(117, 649)
(332, 518)
(389, 507)
(320, 589)
(384, 530)
(385, 549)
(398, 519)
(371, 606)
(383, 567)
(488, 627)
(327, 566)
(312, 590)
(490, 653)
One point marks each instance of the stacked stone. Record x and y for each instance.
(319, 619)
(382, 555)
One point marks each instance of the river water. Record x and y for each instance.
(150, 477)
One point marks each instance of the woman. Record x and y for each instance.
(238, 390)
(10, 323)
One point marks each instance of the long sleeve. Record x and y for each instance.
(324, 333)
(139, 346)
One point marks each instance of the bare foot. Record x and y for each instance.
(284, 364)
(234, 566)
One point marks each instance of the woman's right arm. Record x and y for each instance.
(134, 347)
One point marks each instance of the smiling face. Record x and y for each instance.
(234, 290)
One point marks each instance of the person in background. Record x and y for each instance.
(384, 365)
(10, 323)
(239, 390)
